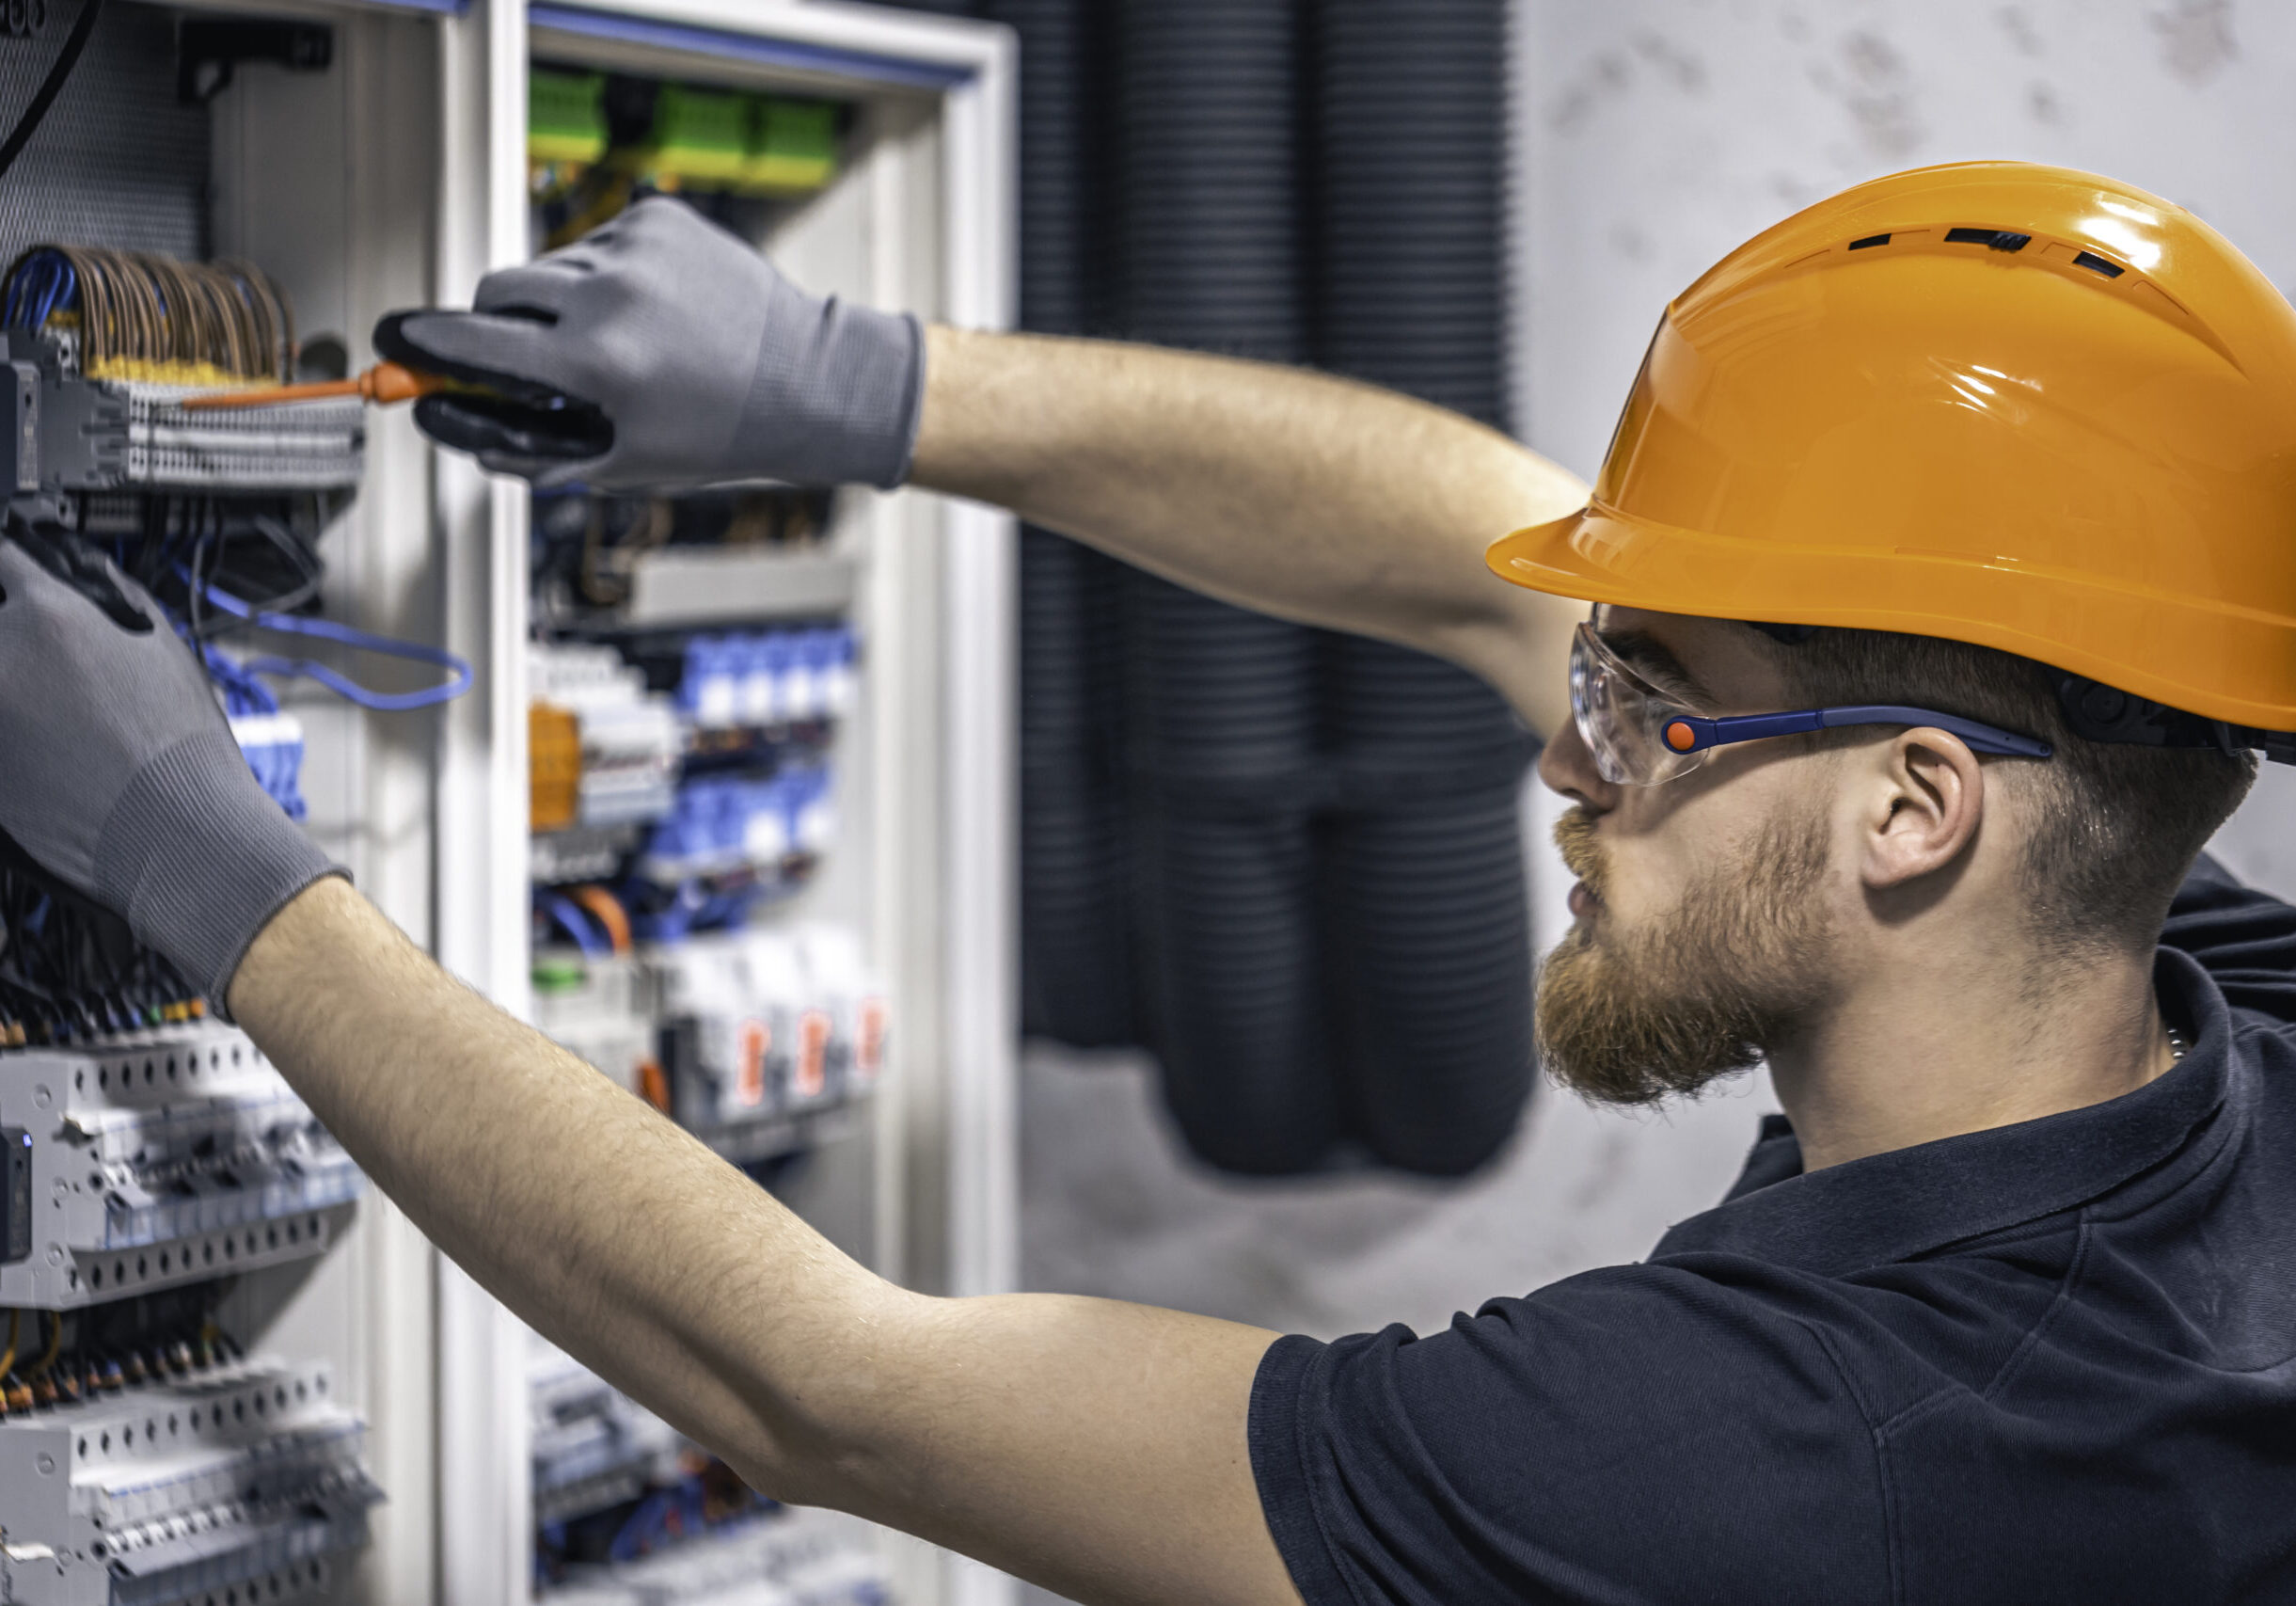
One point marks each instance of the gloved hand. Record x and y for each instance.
(660, 351)
(121, 777)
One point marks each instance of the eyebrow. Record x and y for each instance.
(1649, 657)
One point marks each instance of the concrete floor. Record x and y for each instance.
(1112, 1207)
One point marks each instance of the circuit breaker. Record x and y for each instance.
(232, 1480)
(161, 1159)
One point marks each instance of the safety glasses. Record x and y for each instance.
(1641, 736)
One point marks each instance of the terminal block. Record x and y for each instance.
(68, 437)
(157, 1159)
(240, 1483)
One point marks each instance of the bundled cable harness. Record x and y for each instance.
(150, 319)
(72, 973)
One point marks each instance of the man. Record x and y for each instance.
(2005, 1313)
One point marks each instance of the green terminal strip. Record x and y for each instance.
(701, 139)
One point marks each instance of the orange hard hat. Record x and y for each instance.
(2017, 406)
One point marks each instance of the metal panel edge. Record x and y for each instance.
(874, 31)
(485, 1532)
(760, 49)
(982, 899)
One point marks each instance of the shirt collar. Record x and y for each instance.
(1895, 1206)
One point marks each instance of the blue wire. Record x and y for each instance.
(576, 924)
(243, 693)
(40, 284)
(458, 680)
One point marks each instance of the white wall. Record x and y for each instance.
(1655, 135)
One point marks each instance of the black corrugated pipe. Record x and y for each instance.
(1076, 951)
(1427, 937)
(1327, 925)
(1427, 925)
(1222, 713)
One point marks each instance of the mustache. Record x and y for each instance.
(1575, 840)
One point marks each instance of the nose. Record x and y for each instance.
(1566, 767)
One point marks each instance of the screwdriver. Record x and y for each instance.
(385, 383)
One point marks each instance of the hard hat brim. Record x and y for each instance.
(2069, 621)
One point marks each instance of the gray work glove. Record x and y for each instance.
(660, 351)
(118, 776)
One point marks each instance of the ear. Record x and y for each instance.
(1925, 798)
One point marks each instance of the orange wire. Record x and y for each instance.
(610, 915)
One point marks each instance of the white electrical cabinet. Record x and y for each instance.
(395, 174)
(918, 1178)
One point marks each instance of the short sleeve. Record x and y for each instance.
(1639, 1434)
(2246, 939)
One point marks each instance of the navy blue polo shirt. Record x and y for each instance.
(2054, 1361)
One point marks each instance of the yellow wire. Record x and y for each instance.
(8, 1356)
(56, 1347)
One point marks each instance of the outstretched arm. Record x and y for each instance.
(1294, 493)
(1094, 1447)
(1300, 495)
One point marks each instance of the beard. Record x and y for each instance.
(1700, 993)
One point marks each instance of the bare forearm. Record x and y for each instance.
(602, 1224)
(1300, 495)
(1096, 1447)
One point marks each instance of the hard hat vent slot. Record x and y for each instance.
(1869, 240)
(2095, 263)
(1992, 239)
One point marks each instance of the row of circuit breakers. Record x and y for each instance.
(145, 1458)
(143, 1461)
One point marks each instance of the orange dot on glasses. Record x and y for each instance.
(1680, 737)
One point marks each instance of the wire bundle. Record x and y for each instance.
(106, 1349)
(71, 972)
(143, 317)
(183, 548)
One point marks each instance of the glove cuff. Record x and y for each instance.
(843, 401)
(199, 859)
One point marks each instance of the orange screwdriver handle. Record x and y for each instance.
(390, 382)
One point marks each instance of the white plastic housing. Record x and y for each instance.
(161, 1159)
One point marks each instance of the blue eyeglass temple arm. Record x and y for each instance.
(1707, 733)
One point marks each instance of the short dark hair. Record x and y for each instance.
(2120, 824)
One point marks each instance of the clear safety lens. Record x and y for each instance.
(1619, 716)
